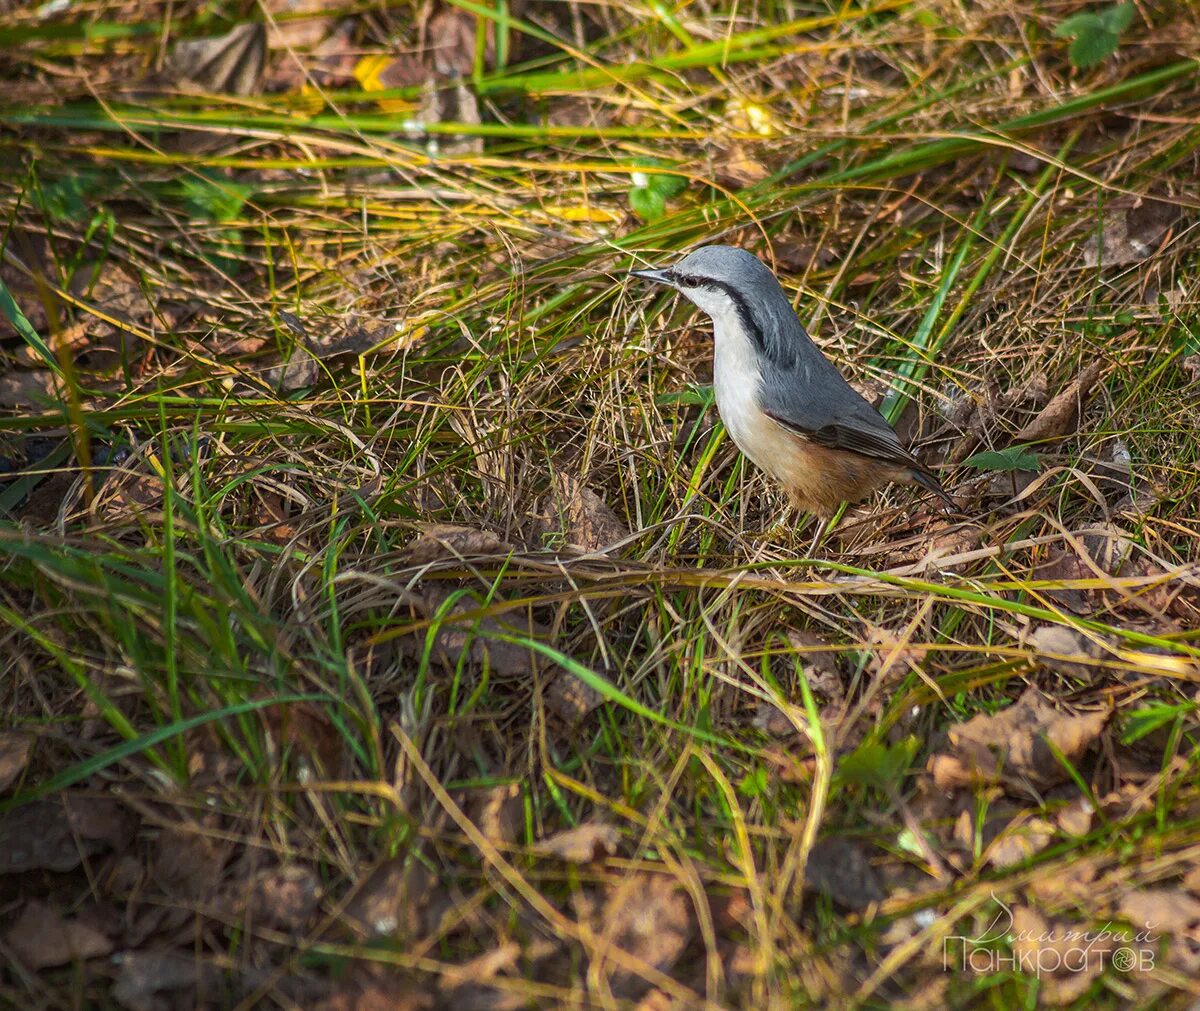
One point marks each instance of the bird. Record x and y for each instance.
(785, 405)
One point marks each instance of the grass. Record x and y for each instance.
(223, 604)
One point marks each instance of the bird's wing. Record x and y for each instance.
(858, 433)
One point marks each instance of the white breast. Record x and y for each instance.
(736, 379)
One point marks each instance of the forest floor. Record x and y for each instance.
(386, 620)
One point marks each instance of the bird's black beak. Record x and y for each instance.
(660, 276)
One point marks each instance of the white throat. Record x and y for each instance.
(736, 375)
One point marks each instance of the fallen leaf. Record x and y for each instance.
(230, 64)
(648, 916)
(582, 844)
(1161, 910)
(30, 390)
(1060, 417)
(59, 833)
(14, 754)
(483, 967)
(587, 520)
(838, 868)
(280, 898)
(571, 699)
(189, 861)
(1131, 234)
(391, 901)
(1076, 818)
(1068, 651)
(304, 731)
(1022, 838)
(42, 937)
(1013, 747)
(441, 542)
(498, 811)
(145, 975)
(377, 996)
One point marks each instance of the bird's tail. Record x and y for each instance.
(926, 480)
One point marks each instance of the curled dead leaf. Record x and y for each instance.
(14, 754)
(445, 541)
(1022, 838)
(1068, 651)
(57, 834)
(1130, 234)
(42, 937)
(1060, 417)
(839, 868)
(571, 699)
(650, 917)
(583, 515)
(582, 844)
(1016, 746)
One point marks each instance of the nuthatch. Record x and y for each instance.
(783, 402)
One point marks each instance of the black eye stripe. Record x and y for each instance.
(740, 304)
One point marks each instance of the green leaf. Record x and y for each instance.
(648, 204)
(211, 199)
(1078, 25)
(875, 764)
(1148, 719)
(1092, 48)
(668, 185)
(693, 396)
(12, 312)
(1117, 19)
(1013, 458)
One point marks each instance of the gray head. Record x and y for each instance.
(714, 276)
(746, 303)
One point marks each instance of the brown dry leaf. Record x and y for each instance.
(1161, 910)
(894, 654)
(581, 845)
(1132, 234)
(281, 898)
(817, 662)
(28, 389)
(498, 811)
(483, 967)
(588, 521)
(1060, 417)
(59, 833)
(1023, 838)
(444, 541)
(304, 731)
(1068, 651)
(1076, 818)
(450, 42)
(43, 937)
(391, 901)
(231, 64)
(1066, 965)
(736, 167)
(838, 868)
(572, 700)
(189, 862)
(346, 336)
(148, 978)
(648, 916)
(1013, 746)
(377, 996)
(296, 24)
(14, 754)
